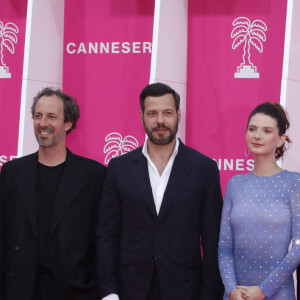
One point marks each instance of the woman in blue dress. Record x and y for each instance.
(261, 216)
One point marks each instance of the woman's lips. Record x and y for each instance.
(256, 145)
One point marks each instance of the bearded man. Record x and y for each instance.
(161, 204)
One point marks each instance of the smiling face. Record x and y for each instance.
(263, 135)
(49, 126)
(160, 119)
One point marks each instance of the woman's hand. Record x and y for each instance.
(239, 293)
(254, 292)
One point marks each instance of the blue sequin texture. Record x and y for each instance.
(261, 216)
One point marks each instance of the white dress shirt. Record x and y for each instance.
(158, 185)
(159, 182)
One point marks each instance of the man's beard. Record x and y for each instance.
(161, 140)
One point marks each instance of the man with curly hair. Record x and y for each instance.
(48, 205)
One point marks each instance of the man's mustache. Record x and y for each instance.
(46, 128)
(159, 126)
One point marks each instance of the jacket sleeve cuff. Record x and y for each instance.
(111, 297)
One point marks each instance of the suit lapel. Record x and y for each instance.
(71, 183)
(27, 187)
(176, 181)
(140, 172)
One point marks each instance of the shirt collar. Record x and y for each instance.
(145, 150)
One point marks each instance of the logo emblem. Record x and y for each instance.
(248, 34)
(8, 37)
(116, 145)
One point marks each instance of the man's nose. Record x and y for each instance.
(160, 118)
(43, 121)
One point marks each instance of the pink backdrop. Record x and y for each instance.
(107, 83)
(12, 23)
(218, 104)
(107, 62)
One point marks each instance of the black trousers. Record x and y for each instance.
(45, 288)
(154, 290)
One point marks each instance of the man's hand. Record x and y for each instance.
(254, 291)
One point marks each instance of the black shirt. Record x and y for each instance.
(48, 183)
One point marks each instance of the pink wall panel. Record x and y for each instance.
(169, 55)
(106, 64)
(12, 39)
(218, 104)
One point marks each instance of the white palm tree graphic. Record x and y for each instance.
(8, 36)
(250, 34)
(116, 145)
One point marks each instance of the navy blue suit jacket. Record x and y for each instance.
(298, 282)
(132, 238)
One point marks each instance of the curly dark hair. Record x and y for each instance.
(71, 107)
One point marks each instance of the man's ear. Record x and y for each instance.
(141, 116)
(68, 125)
(179, 115)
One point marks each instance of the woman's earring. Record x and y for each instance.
(247, 151)
(274, 151)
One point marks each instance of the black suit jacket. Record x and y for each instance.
(132, 239)
(72, 241)
(298, 282)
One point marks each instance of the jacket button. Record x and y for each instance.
(12, 275)
(153, 257)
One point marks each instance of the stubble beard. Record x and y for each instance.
(46, 141)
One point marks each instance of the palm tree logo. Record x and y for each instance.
(8, 36)
(248, 33)
(116, 145)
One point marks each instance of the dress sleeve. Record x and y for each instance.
(288, 265)
(226, 244)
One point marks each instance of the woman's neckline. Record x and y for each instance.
(268, 176)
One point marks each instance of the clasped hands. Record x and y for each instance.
(247, 292)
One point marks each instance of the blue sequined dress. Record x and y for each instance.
(261, 215)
